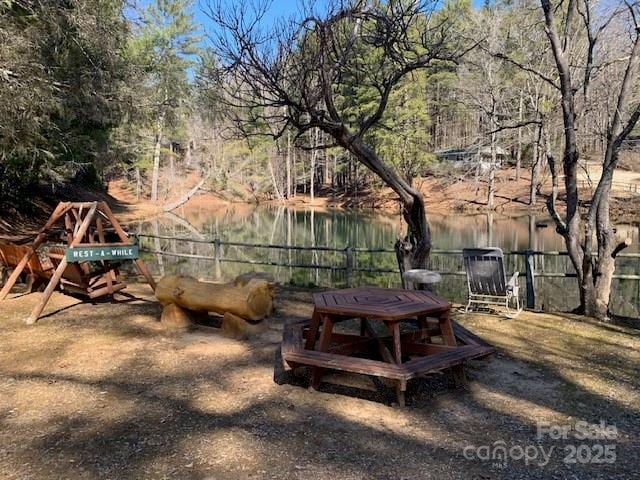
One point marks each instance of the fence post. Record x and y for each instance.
(530, 277)
(349, 265)
(216, 258)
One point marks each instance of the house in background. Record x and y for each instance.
(632, 142)
(629, 154)
(473, 157)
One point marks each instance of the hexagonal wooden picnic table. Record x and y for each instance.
(404, 355)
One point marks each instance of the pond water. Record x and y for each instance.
(361, 229)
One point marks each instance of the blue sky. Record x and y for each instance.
(277, 9)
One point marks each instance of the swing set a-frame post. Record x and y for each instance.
(78, 218)
(55, 279)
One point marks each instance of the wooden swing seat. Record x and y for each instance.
(82, 279)
(37, 273)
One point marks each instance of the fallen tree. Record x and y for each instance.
(185, 198)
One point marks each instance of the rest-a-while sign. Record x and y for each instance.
(96, 254)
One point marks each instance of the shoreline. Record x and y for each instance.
(443, 196)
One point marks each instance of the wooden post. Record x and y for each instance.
(101, 238)
(106, 211)
(349, 265)
(216, 258)
(530, 278)
(33, 318)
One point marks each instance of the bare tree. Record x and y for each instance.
(574, 33)
(299, 76)
(483, 85)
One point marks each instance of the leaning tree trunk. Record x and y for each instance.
(416, 245)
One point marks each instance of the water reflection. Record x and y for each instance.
(365, 229)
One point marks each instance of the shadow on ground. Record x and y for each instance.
(102, 391)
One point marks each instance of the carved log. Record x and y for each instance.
(174, 317)
(239, 329)
(253, 301)
(244, 278)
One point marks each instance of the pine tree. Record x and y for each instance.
(166, 48)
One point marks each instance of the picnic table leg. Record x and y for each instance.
(401, 388)
(424, 326)
(397, 345)
(447, 330)
(457, 371)
(401, 385)
(459, 377)
(313, 331)
(323, 346)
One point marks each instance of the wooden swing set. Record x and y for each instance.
(85, 262)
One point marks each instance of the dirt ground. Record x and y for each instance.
(103, 391)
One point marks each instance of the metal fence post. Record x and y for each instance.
(530, 278)
(216, 258)
(349, 265)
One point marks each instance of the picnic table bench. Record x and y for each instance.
(399, 355)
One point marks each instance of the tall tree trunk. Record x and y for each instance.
(312, 173)
(519, 150)
(155, 175)
(294, 173)
(288, 166)
(187, 154)
(492, 172)
(172, 169)
(535, 170)
(594, 267)
(333, 174)
(138, 183)
(570, 228)
(326, 179)
(273, 181)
